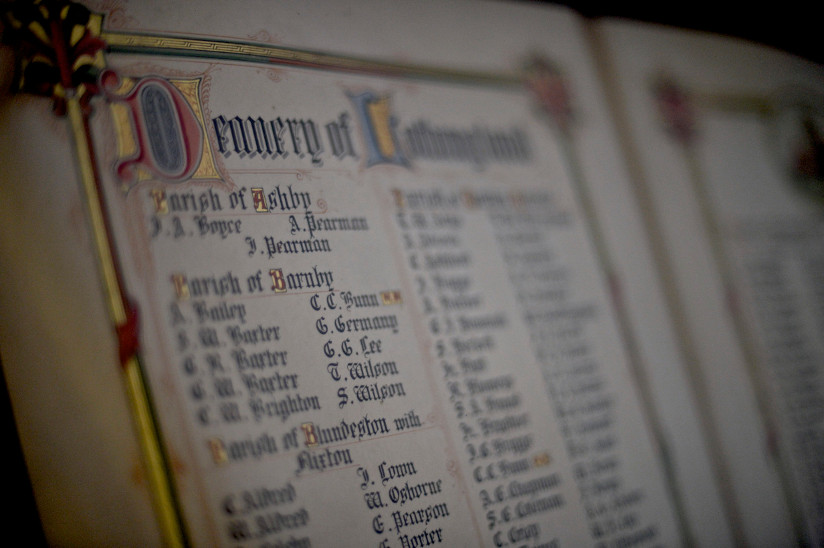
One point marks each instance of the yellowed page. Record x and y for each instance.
(726, 162)
(378, 298)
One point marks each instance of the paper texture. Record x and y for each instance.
(409, 276)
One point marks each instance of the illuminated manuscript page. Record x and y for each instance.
(727, 136)
(378, 300)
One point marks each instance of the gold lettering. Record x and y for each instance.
(259, 201)
(181, 287)
(309, 431)
(379, 114)
(278, 283)
(159, 199)
(218, 450)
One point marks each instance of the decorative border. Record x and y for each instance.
(145, 44)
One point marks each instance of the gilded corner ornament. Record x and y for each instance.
(59, 49)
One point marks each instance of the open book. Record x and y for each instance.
(473, 274)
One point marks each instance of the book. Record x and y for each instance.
(740, 172)
(395, 275)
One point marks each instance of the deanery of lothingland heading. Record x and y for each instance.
(385, 139)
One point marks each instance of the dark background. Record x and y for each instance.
(788, 26)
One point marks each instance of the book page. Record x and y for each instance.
(374, 300)
(59, 353)
(727, 135)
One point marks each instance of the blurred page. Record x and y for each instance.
(726, 136)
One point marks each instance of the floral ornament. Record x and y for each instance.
(58, 44)
(549, 88)
(675, 109)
